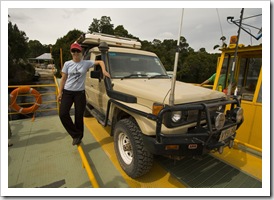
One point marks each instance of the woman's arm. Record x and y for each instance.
(102, 65)
(61, 87)
(205, 82)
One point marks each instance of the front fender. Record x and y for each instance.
(145, 123)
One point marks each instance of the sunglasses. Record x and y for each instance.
(75, 51)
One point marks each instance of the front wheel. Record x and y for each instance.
(133, 157)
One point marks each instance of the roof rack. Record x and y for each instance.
(95, 38)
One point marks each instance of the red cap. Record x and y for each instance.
(75, 46)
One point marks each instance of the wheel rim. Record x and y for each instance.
(125, 149)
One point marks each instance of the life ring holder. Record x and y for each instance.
(24, 90)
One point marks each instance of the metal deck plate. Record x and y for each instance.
(207, 172)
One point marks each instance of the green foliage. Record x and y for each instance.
(197, 67)
(19, 72)
(17, 44)
(35, 49)
(106, 26)
(101, 26)
(94, 26)
(166, 51)
(121, 31)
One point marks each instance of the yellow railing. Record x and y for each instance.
(55, 93)
(81, 152)
(87, 167)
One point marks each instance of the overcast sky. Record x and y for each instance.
(200, 26)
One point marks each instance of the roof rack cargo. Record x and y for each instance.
(112, 40)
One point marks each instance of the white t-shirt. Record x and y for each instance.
(76, 72)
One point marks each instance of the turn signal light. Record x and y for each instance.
(157, 108)
(172, 147)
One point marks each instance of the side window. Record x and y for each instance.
(225, 75)
(248, 77)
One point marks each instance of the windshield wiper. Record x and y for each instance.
(134, 75)
(159, 75)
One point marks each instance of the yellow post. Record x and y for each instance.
(61, 58)
(56, 92)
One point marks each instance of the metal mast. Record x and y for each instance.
(235, 54)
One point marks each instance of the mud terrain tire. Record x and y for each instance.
(129, 148)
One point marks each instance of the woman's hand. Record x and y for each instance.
(106, 73)
(59, 97)
(103, 67)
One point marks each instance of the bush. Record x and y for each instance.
(20, 73)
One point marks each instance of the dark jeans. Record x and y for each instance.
(75, 129)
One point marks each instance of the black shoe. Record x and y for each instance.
(76, 141)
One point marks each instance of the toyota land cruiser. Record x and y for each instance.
(134, 103)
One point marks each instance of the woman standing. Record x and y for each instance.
(72, 90)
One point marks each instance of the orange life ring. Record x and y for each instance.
(21, 90)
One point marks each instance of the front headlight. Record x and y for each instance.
(238, 114)
(176, 116)
(219, 120)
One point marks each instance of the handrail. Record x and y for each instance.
(238, 142)
(87, 167)
(56, 92)
(80, 149)
(55, 84)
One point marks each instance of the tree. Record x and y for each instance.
(106, 26)
(202, 50)
(20, 72)
(94, 26)
(121, 31)
(36, 48)
(183, 44)
(17, 44)
(197, 67)
(101, 26)
(156, 42)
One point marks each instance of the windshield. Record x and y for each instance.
(126, 65)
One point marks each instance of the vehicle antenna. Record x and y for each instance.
(171, 97)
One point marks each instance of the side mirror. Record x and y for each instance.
(96, 74)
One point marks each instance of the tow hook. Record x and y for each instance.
(231, 144)
(221, 149)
